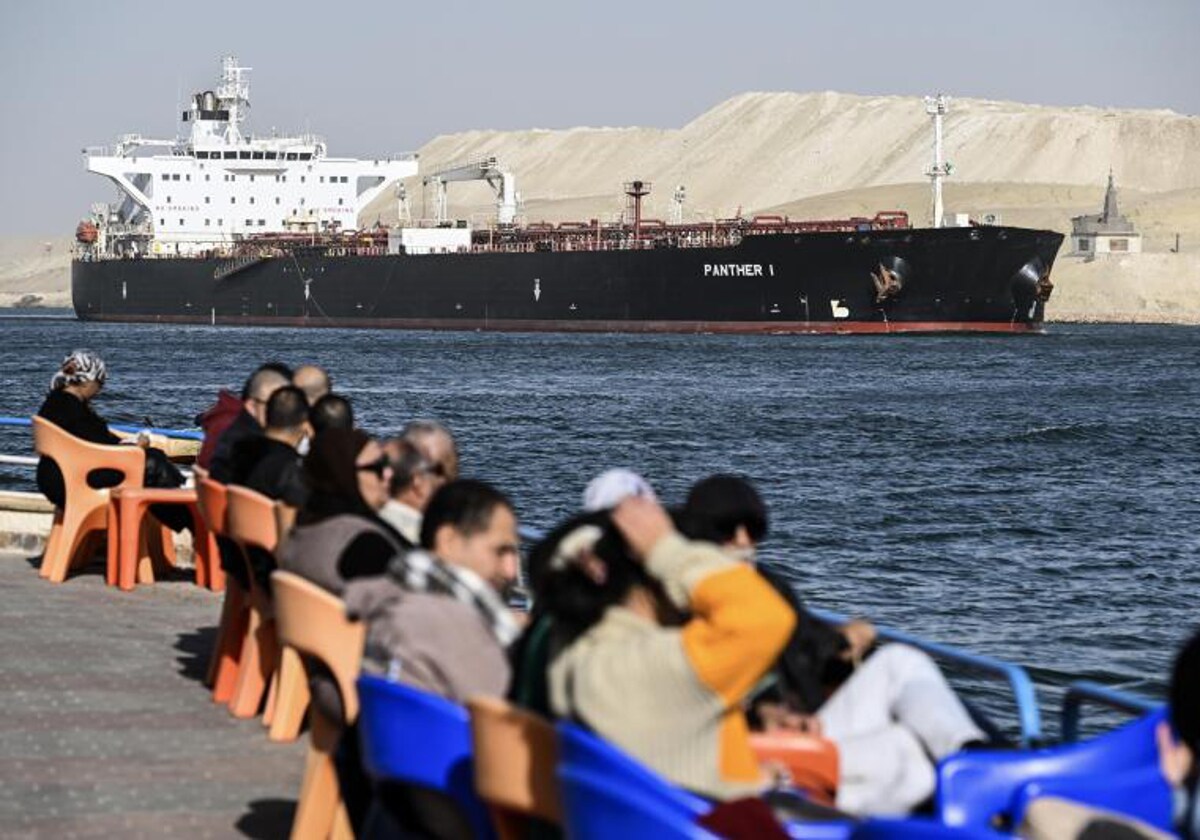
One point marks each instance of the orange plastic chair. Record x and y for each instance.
(313, 622)
(136, 540)
(516, 757)
(810, 761)
(79, 524)
(252, 521)
(211, 498)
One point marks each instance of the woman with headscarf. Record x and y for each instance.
(338, 534)
(69, 406)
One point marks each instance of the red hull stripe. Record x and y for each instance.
(478, 324)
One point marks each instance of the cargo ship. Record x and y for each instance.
(220, 226)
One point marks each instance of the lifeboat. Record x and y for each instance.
(87, 233)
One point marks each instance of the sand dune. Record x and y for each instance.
(829, 155)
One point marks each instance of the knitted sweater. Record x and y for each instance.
(671, 696)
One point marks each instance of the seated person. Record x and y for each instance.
(313, 381)
(248, 423)
(437, 444)
(270, 463)
(218, 417)
(68, 405)
(439, 619)
(339, 535)
(414, 481)
(892, 718)
(660, 641)
(330, 412)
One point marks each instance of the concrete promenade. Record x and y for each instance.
(105, 727)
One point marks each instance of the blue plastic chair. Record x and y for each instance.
(1142, 793)
(414, 737)
(597, 807)
(914, 829)
(581, 752)
(978, 788)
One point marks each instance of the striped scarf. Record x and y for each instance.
(419, 571)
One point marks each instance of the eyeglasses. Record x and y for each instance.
(379, 466)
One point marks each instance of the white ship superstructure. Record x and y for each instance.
(217, 186)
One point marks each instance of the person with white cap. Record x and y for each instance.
(611, 487)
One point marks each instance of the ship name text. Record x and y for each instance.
(734, 270)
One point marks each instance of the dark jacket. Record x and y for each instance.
(77, 418)
(270, 467)
(221, 468)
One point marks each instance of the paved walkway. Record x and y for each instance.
(105, 727)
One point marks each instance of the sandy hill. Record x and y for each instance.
(763, 150)
(827, 155)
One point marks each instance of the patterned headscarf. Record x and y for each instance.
(81, 366)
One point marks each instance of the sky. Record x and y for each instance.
(379, 78)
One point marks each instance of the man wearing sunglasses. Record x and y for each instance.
(436, 443)
(415, 478)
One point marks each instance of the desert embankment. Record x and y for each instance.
(829, 155)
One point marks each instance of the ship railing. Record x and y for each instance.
(1020, 685)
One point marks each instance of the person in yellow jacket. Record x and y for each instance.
(660, 640)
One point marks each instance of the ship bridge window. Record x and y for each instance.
(306, 156)
(258, 156)
(340, 202)
(162, 222)
(166, 177)
(291, 155)
(345, 180)
(201, 155)
(243, 155)
(249, 223)
(331, 180)
(181, 222)
(262, 222)
(271, 155)
(230, 155)
(175, 177)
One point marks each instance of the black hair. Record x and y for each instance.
(407, 463)
(573, 600)
(331, 412)
(1184, 696)
(717, 505)
(287, 408)
(466, 505)
(254, 381)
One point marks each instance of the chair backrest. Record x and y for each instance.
(980, 788)
(314, 622)
(516, 755)
(1142, 793)
(597, 807)
(252, 519)
(77, 458)
(583, 751)
(415, 737)
(212, 498)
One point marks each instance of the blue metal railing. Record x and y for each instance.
(182, 434)
(1086, 691)
(1029, 716)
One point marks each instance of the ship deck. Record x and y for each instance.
(107, 729)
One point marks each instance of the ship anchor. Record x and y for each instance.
(887, 283)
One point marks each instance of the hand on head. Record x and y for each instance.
(643, 522)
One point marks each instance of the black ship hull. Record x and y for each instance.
(950, 279)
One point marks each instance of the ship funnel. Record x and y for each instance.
(209, 101)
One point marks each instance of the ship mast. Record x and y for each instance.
(936, 107)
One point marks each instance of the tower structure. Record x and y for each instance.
(937, 107)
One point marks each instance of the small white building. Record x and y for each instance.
(1107, 232)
